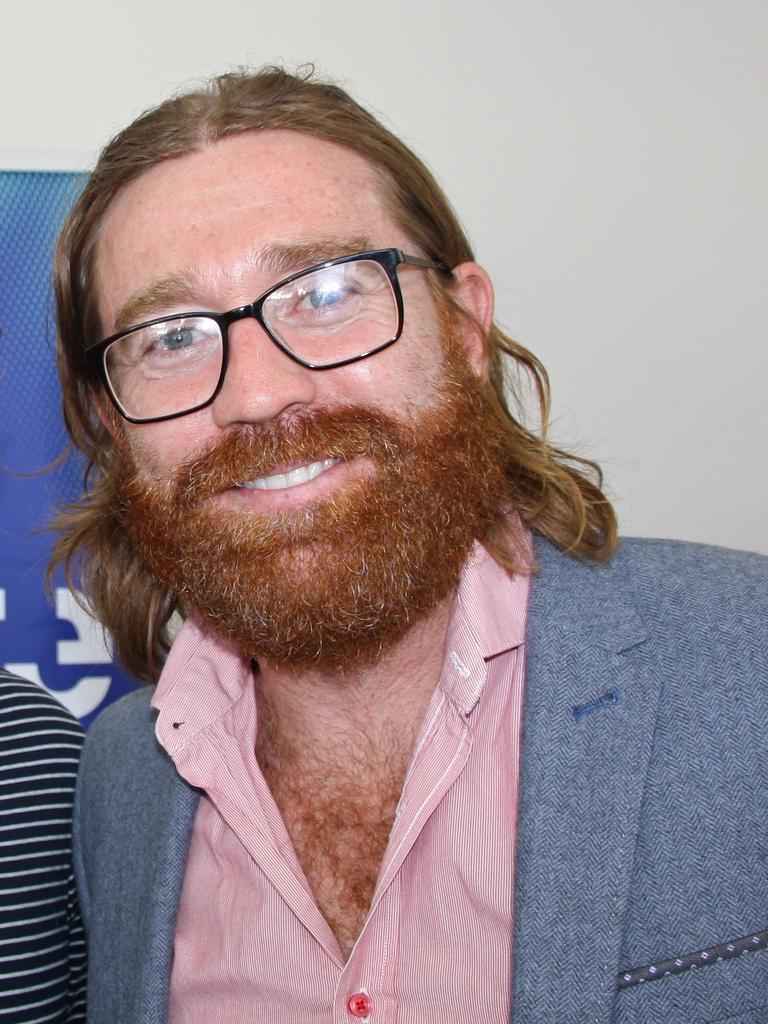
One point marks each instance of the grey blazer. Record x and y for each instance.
(641, 891)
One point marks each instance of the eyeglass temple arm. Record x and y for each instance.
(419, 261)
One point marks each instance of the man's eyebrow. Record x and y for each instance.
(283, 259)
(181, 290)
(175, 290)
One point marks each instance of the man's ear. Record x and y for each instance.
(471, 287)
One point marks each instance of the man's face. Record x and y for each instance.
(369, 447)
(220, 220)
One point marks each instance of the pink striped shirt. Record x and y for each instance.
(251, 944)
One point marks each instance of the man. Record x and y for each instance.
(427, 746)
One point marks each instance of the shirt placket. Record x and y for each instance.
(367, 984)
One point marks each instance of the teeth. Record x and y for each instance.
(290, 479)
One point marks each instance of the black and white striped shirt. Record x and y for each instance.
(42, 947)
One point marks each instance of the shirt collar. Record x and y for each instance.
(204, 675)
(487, 620)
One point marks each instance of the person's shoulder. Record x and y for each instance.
(122, 764)
(121, 744)
(133, 711)
(663, 566)
(696, 578)
(123, 727)
(703, 562)
(676, 587)
(699, 602)
(24, 703)
(40, 744)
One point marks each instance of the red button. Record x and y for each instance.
(359, 1005)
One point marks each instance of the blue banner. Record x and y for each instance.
(59, 645)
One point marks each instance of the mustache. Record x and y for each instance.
(256, 450)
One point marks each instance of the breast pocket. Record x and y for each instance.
(733, 990)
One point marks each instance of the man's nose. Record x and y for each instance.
(261, 381)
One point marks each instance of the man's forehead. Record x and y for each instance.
(247, 171)
(280, 200)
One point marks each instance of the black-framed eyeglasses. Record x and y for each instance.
(327, 316)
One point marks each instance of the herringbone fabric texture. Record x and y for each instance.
(641, 826)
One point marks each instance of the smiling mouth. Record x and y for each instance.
(291, 478)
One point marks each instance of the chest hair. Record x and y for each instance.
(339, 813)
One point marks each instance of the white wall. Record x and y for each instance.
(609, 159)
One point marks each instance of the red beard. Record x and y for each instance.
(331, 585)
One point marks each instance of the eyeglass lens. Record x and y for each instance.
(323, 317)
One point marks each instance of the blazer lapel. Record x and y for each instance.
(590, 708)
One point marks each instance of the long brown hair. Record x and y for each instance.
(555, 493)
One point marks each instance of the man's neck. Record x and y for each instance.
(317, 710)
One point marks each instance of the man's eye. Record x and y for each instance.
(323, 298)
(174, 338)
(171, 342)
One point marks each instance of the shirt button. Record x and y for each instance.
(359, 1005)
